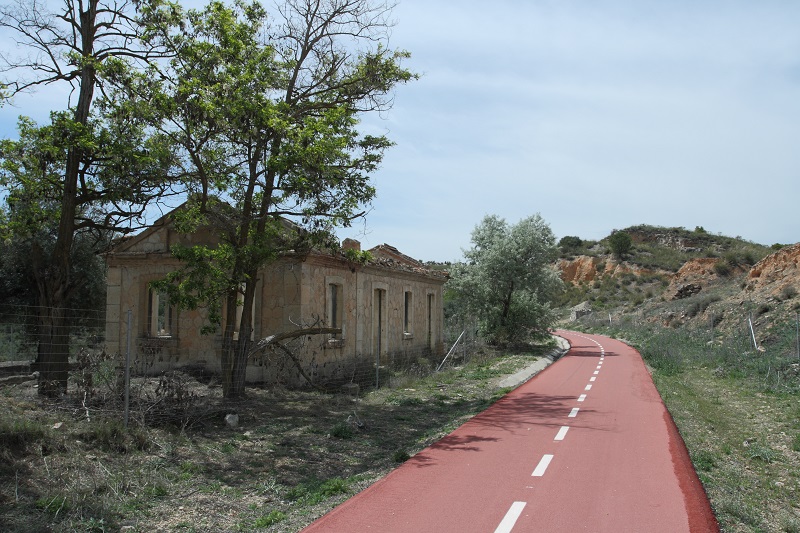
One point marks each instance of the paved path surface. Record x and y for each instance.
(586, 445)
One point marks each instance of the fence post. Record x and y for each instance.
(378, 369)
(128, 370)
(712, 330)
(450, 351)
(752, 330)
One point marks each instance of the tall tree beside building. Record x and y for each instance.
(93, 167)
(508, 279)
(266, 111)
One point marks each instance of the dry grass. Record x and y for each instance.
(293, 456)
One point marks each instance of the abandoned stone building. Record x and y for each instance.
(389, 311)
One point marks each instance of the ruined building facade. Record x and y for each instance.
(389, 311)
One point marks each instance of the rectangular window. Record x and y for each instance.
(160, 315)
(335, 308)
(408, 313)
(379, 344)
(430, 339)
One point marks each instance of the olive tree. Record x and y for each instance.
(508, 279)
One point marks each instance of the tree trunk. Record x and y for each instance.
(506, 306)
(54, 277)
(235, 351)
(53, 351)
(227, 355)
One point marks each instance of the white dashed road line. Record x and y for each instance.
(513, 514)
(542, 466)
(511, 517)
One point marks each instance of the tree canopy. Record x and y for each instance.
(508, 280)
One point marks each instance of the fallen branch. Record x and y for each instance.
(278, 337)
(275, 341)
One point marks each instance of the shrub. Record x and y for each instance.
(722, 267)
(342, 431)
(788, 292)
(570, 243)
(700, 306)
(763, 453)
(400, 456)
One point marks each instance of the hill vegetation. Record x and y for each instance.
(652, 267)
(667, 249)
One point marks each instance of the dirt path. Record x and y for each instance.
(585, 445)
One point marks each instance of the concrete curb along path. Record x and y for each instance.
(585, 445)
(517, 379)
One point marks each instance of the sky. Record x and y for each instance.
(595, 114)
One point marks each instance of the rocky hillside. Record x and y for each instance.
(675, 276)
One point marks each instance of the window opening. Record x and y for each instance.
(430, 321)
(407, 313)
(160, 314)
(335, 308)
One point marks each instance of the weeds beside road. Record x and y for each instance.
(292, 457)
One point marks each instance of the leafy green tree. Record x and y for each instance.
(93, 167)
(508, 280)
(265, 111)
(620, 243)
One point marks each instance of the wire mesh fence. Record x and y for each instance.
(21, 332)
(95, 369)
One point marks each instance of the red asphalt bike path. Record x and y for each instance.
(585, 445)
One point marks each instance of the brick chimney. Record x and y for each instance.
(351, 244)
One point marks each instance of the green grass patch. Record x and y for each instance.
(270, 519)
(315, 491)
